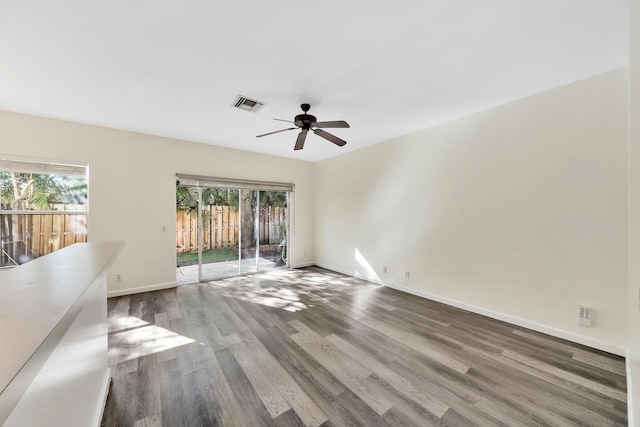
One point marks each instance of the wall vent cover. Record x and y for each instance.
(248, 104)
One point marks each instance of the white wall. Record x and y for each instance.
(132, 188)
(633, 358)
(74, 380)
(518, 211)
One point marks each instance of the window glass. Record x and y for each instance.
(43, 208)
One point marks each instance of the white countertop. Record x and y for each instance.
(35, 296)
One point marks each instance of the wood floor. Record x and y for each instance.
(312, 347)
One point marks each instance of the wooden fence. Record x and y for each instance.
(31, 234)
(221, 227)
(272, 225)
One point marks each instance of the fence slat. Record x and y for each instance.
(80, 227)
(234, 231)
(221, 227)
(206, 227)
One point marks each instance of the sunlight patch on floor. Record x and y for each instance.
(270, 301)
(142, 339)
(291, 290)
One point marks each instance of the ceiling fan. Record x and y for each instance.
(306, 122)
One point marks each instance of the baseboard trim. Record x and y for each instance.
(375, 280)
(303, 265)
(131, 291)
(514, 320)
(106, 383)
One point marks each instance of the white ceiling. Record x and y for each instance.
(173, 67)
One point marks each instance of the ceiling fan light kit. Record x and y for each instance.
(306, 122)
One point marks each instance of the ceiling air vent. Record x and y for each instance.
(248, 104)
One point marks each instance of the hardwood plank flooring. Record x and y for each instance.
(312, 347)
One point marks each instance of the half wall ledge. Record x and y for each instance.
(54, 346)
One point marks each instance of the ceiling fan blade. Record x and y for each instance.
(329, 137)
(283, 120)
(334, 124)
(300, 141)
(271, 133)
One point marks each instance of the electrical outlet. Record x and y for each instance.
(406, 274)
(119, 277)
(585, 315)
(384, 269)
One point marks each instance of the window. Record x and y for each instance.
(43, 208)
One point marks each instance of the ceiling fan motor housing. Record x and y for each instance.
(305, 121)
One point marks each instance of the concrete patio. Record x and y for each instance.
(189, 274)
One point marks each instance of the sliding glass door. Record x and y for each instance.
(220, 233)
(264, 219)
(225, 231)
(249, 258)
(272, 229)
